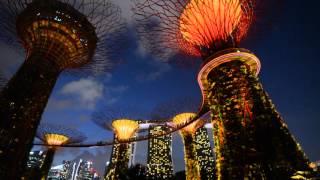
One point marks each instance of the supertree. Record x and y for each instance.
(190, 157)
(251, 138)
(56, 35)
(53, 136)
(124, 122)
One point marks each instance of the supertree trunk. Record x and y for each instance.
(251, 139)
(119, 162)
(45, 168)
(204, 154)
(191, 164)
(22, 103)
(123, 158)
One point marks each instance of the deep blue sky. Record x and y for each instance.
(288, 50)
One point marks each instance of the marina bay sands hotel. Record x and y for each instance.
(198, 152)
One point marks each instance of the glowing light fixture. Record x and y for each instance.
(55, 139)
(124, 128)
(183, 118)
(205, 21)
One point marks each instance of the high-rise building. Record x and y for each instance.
(34, 165)
(35, 159)
(56, 173)
(205, 155)
(68, 170)
(159, 154)
(73, 170)
(132, 153)
(85, 170)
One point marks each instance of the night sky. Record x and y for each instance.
(288, 49)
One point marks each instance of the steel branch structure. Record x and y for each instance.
(56, 35)
(195, 27)
(242, 113)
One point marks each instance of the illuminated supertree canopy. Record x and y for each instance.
(196, 27)
(105, 116)
(57, 135)
(54, 135)
(124, 128)
(56, 35)
(185, 117)
(70, 33)
(55, 139)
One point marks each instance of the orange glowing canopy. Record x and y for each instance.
(124, 128)
(204, 21)
(183, 118)
(55, 139)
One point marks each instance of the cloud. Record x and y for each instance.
(85, 91)
(59, 104)
(85, 94)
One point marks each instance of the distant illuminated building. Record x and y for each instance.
(204, 154)
(317, 163)
(132, 153)
(159, 154)
(68, 170)
(85, 170)
(56, 173)
(73, 170)
(36, 159)
(34, 164)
